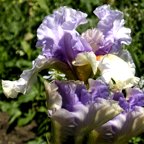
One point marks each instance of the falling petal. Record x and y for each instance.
(27, 78)
(117, 73)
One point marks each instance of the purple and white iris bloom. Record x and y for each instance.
(78, 109)
(129, 123)
(64, 48)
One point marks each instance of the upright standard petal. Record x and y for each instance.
(94, 37)
(69, 18)
(111, 24)
(57, 35)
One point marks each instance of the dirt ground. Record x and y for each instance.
(14, 134)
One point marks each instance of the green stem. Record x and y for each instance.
(92, 138)
(56, 132)
(79, 139)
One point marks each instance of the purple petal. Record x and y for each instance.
(123, 127)
(108, 133)
(64, 125)
(69, 18)
(136, 97)
(118, 96)
(112, 25)
(69, 122)
(57, 35)
(70, 45)
(73, 110)
(98, 89)
(85, 97)
(100, 112)
(70, 93)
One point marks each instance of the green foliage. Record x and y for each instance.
(19, 20)
(136, 140)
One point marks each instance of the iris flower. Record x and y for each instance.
(78, 110)
(81, 107)
(63, 48)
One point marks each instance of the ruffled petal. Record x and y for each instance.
(12, 88)
(57, 35)
(98, 89)
(27, 78)
(99, 113)
(135, 97)
(54, 99)
(112, 25)
(122, 128)
(108, 133)
(94, 37)
(117, 73)
(69, 18)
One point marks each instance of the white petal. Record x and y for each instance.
(116, 72)
(27, 78)
(9, 88)
(54, 99)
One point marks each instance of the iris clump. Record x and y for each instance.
(99, 100)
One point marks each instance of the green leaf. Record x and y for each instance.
(28, 117)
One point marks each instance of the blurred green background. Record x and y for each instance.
(24, 119)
